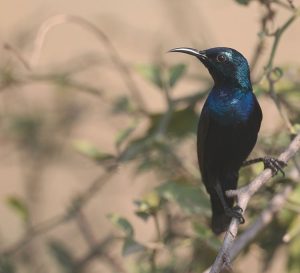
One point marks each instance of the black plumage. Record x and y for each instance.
(227, 130)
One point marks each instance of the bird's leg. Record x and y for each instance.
(269, 162)
(235, 212)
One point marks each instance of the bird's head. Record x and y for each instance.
(226, 65)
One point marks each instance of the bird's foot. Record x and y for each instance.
(236, 212)
(274, 164)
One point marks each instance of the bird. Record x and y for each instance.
(227, 130)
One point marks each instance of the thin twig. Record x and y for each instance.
(18, 55)
(99, 251)
(263, 220)
(277, 102)
(85, 229)
(266, 216)
(68, 215)
(34, 232)
(243, 195)
(154, 251)
(114, 55)
(277, 36)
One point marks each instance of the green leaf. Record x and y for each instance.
(152, 73)
(243, 2)
(293, 230)
(148, 205)
(6, 265)
(295, 196)
(136, 147)
(62, 255)
(293, 255)
(190, 198)
(205, 234)
(152, 199)
(27, 129)
(122, 105)
(91, 151)
(122, 224)
(19, 206)
(183, 123)
(131, 246)
(124, 134)
(176, 72)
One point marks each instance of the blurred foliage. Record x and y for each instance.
(18, 205)
(177, 207)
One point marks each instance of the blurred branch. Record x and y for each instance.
(85, 228)
(114, 55)
(288, 5)
(277, 36)
(265, 19)
(18, 55)
(64, 80)
(277, 102)
(79, 202)
(267, 215)
(100, 251)
(34, 232)
(154, 251)
(270, 71)
(243, 196)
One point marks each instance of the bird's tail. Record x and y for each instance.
(220, 221)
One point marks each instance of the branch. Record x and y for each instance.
(275, 205)
(243, 196)
(102, 37)
(263, 220)
(69, 214)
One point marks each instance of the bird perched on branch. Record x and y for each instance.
(227, 130)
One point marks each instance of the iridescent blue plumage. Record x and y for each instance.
(227, 130)
(234, 104)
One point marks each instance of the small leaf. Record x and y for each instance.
(293, 255)
(62, 255)
(204, 233)
(91, 151)
(152, 199)
(183, 122)
(176, 72)
(190, 198)
(131, 246)
(6, 265)
(152, 73)
(122, 105)
(19, 206)
(124, 134)
(293, 230)
(243, 2)
(122, 224)
(147, 206)
(135, 148)
(143, 213)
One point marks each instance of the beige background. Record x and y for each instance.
(142, 31)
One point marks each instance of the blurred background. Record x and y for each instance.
(98, 163)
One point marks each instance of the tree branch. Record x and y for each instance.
(243, 196)
(262, 221)
(103, 38)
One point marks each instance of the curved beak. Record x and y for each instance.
(191, 51)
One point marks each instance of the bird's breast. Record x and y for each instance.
(230, 108)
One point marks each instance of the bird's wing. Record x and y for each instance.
(257, 114)
(203, 128)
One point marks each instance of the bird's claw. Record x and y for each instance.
(274, 164)
(236, 212)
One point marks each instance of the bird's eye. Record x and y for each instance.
(221, 58)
